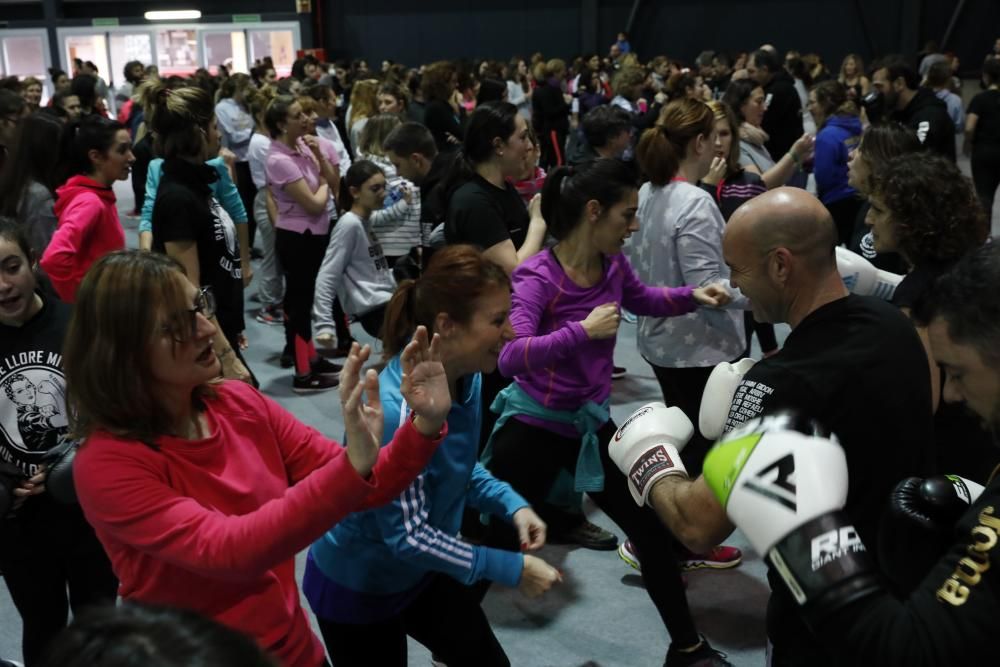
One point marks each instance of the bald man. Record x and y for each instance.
(852, 363)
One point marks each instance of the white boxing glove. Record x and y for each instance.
(718, 396)
(861, 277)
(647, 446)
(772, 479)
(785, 490)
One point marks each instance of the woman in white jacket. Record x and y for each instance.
(355, 269)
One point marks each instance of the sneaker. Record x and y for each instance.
(617, 372)
(10, 663)
(325, 368)
(703, 656)
(719, 558)
(313, 383)
(287, 359)
(589, 536)
(271, 315)
(626, 553)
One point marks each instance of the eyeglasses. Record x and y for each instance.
(204, 304)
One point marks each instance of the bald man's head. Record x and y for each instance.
(778, 244)
(787, 218)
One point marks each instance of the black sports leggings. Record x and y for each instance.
(445, 617)
(44, 553)
(529, 459)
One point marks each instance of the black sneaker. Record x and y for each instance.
(287, 359)
(313, 383)
(326, 368)
(617, 372)
(703, 656)
(588, 536)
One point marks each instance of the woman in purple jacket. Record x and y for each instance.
(566, 309)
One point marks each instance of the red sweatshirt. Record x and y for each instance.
(213, 525)
(88, 229)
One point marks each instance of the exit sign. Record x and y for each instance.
(246, 18)
(104, 22)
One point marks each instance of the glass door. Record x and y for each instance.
(279, 44)
(25, 54)
(227, 48)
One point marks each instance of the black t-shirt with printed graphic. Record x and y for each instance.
(186, 210)
(855, 365)
(33, 416)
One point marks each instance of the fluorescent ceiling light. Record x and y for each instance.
(173, 15)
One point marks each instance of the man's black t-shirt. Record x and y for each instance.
(855, 365)
(986, 106)
(186, 210)
(484, 215)
(783, 118)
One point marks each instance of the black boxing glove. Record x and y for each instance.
(917, 529)
(936, 503)
(59, 472)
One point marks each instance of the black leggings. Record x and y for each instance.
(529, 459)
(765, 333)
(371, 321)
(41, 555)
(683, 387)
(445, 617)
(300, 255)
(986, 177)
(248, 192)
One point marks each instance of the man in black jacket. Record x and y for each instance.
(783, 117)
(913, 106)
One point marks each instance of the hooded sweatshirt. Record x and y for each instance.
(929, 117)
(88, 229)
(834, 142)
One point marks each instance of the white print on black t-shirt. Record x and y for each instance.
(748, 402)
(225, 231)
(32, 407)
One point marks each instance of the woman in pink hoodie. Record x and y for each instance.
(98, 152)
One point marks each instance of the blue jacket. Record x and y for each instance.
(834, 142)
(224, 190)
(383, 553)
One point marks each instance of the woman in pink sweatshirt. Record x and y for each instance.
(202, 491)
(98, 152)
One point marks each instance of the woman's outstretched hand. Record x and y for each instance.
(362, 418)
(425, 385)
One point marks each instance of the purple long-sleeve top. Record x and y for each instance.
(551, 358)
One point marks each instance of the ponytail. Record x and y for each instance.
(399, 322)
(356, 176)
(91, 132)
(454, 280)
(662, 147)
(568, 189)
(178, 117)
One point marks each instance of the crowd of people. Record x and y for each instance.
(490, 225)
